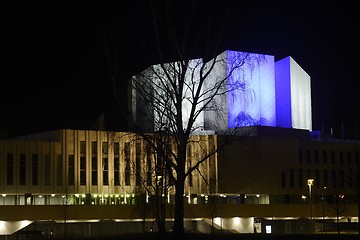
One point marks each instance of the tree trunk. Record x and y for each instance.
(162, 222)
(358, 197)
(179, 210)
(160, 207)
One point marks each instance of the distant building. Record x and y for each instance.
(276, 177)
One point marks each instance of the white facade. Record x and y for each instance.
(153, 93)
(293, 95)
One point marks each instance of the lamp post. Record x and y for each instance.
(310, 183)
(323, 207)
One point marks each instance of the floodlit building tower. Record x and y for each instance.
(259, 92)
(248, 97)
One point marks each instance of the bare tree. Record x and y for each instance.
(176, 99)
(184, 93)
(153, 183)
(352, 181)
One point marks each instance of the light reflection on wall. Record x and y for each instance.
(252, 102)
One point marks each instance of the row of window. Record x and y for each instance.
(22, 173)
(335, 178)
(309, 156)
(95, 167)
(35, 169)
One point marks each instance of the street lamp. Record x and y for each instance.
(323, 207)
(310, 183)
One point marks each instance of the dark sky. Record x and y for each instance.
(55, 73)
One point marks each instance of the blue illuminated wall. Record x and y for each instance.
(253, 101)
(250, 100)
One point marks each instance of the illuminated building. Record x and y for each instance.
(268, 93)
(94, 180)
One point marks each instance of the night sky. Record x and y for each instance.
(55, 72)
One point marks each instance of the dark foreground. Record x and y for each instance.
(191, 236)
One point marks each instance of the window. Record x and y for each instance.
(333, 159)
(350, 178)
(300, 156)
(308, 156)
(334, 178)
(82, 170)
(138, 164)
(341, 157)
(189, 152)
(22, 169)
(317, 178)
(105, 148)
(308, 173)
(105, 170)
(148, 165)
(94, 164)
(283, 178)
(342, 179)
(301, 178)
(82, 147)
(326, 179)
(212, 166)
(292, 178)
(71, 169)
(127, 164)
(10, 169)
(316, 156)
(94, 147)
(35, 169)
(349, 158)
(116, 164)
(105, 162)
(47, 169)
(325, 160)
(59, 170)
(94, 170)
(82, 163)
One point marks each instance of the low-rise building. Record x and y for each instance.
(257, 182)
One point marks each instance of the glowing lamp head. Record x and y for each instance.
(310, 182)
